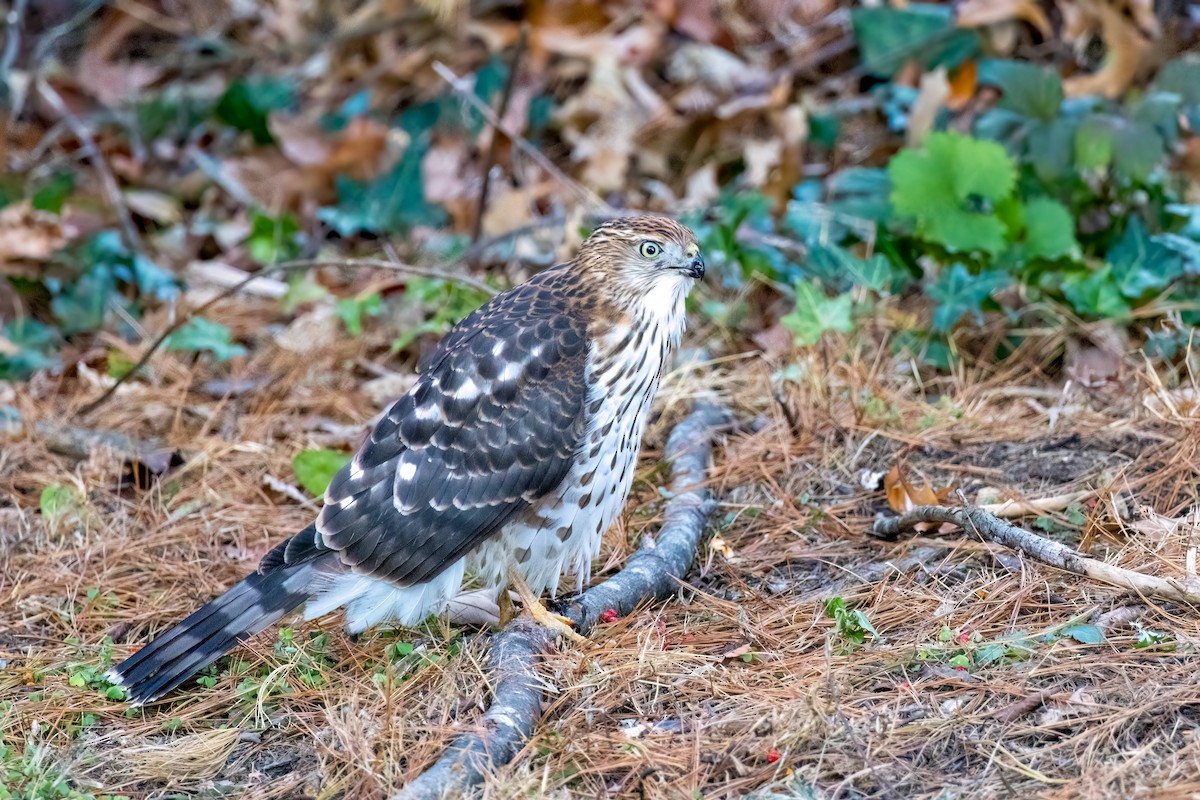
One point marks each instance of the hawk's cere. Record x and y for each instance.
(506, 461)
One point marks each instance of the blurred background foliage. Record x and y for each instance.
(957, 181)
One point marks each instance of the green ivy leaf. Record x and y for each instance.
(941, 185)
(273, 239)
(959, 293)
(1029, 90)
(246, 104)
(1140, 264)
(1050, 147)
(54, 193)
(203, 335)
(316, 468)
(1095, 293)
(351, 310)
(1049, 230)
(392, 203)
(815, 314)
(838, 268)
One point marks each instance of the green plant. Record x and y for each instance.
(852, 625)
(450, 302)
(316, 468)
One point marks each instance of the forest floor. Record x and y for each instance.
(157, 152)
(987, 674)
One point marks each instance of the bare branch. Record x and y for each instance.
(286, 266)
(990, 527)
(653, 572)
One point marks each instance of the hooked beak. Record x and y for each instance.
(695, 268)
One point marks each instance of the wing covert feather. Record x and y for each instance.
(493, 423)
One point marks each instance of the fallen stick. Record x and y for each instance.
(1049, 552)
(652, 573)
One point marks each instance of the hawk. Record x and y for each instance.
(504, 464)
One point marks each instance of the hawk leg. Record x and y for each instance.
(558, 624)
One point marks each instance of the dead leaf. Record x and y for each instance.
(978, 13)
(904, 495)
(775, 341)
(29, 234)
(1098, 365)
(105, 71)
(600, 123)
(156, 206)
(1129, 30)
(761, 157)
(963, 84)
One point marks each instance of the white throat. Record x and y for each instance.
(663, 307)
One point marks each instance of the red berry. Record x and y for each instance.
(772, 756)
(608, 615)
(963, 638)
(961, 669)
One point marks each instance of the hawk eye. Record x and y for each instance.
(649, 249)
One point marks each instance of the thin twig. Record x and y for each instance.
(13, 21)
(285, 266)
(111, 188)
(10, 104)
(653, 572)
(510, 83)
(463, 90)
(994, 529)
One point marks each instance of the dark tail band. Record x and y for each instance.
(252, 605)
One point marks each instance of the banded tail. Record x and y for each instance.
(258, 601)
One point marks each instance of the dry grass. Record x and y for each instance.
(742, 684)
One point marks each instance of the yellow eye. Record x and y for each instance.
(650, 249)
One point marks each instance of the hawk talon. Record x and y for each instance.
(540, 614)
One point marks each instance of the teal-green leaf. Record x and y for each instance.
(1029, 90)
(1140, 264)
(959, 293)
(26, 346)
(1138, 148)
(815, 314)
(1085, 634)
(840, 269)
(203, 335)
(315, 469)
(1050, 147)
(392, 203)
(888, 37)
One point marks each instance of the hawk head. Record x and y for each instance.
(642, 253)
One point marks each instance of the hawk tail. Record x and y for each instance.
(255, 603)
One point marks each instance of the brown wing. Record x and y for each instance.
(492, 424)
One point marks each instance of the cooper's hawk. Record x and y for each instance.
(507, 460)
